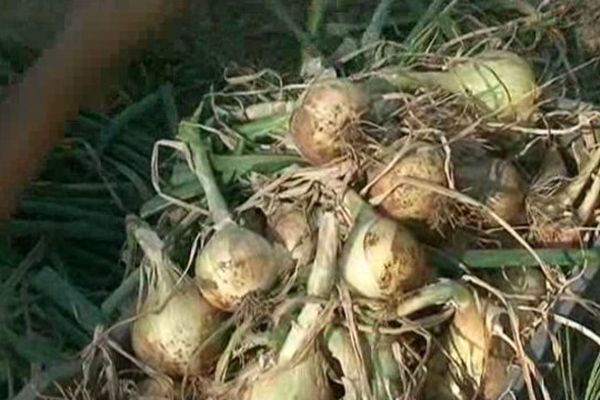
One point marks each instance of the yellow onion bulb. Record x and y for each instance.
(234, 263)
(327, 119)
(306, 380)
(408, 202)
(381, 258)
(499, 82)
(174, 320)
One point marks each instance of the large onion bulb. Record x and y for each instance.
(500, 82)
(236, 261)
(327, 119)
(174, 319)
(380, 258)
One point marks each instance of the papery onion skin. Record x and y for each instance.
(497, 184)
(290, 226)
(382, 259)
(470, 362)
(327, 119)
(306, 380)
(168, 340)
(407, 202)
(234, 263)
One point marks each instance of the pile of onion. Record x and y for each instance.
(328, 119)
(499, 82)
(408, 202)
(300, 371)
(381, 258)
(175, 323)
(471, 362)
(236, 261)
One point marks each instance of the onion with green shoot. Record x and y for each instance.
(500, 82)
(381, 258)
(236, 261)
(176, 328)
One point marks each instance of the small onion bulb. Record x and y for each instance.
(408, 202)
(174, 319)
(328, 118)
(381, 258)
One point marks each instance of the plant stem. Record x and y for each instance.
(436, 294)
(320, 283)
(204, 173)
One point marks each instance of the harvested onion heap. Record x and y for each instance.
(499, 82)
(471, 362)
(236, 261)
(175, 323)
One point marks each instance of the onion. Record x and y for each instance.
(496, 183)
(407, 202)
(381, 258)
(303, 376)
(556, 217)
(327, 119)
(155, 389)
(500, 82)
(471, 363)
(290, 226)
(236, 261)
(174, 319)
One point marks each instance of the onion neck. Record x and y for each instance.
(203, 171)
(438, 293)
(360, 210)
(404, 79)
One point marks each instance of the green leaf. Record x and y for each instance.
(69, 299)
